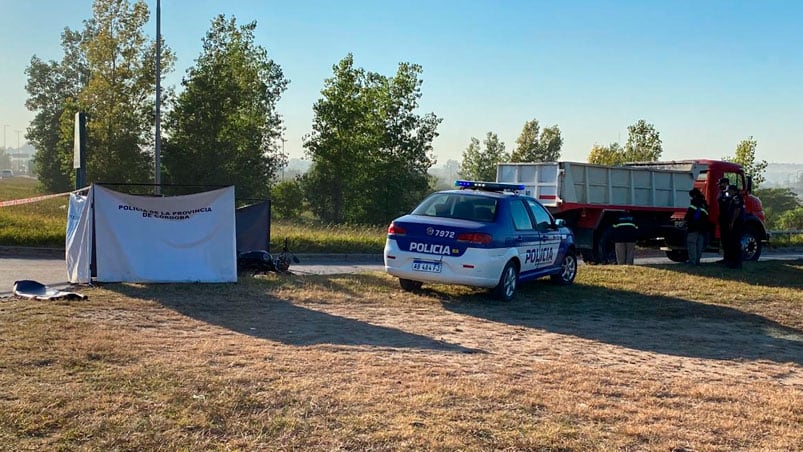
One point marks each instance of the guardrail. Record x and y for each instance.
(787, 232)
(783, 237)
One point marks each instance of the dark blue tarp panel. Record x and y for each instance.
(253, 227)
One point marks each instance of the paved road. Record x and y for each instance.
(49, 268)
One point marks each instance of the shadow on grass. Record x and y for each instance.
(250, 308)
(660, 324)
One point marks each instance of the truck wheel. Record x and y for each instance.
(408, 285)
(507, 282)
(588, 256)
(678, 255)
(751, 245)
(606, 251)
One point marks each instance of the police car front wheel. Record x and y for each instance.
(568, 269)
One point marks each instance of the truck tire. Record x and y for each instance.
(678, 255)
(606, 250)
(751, 244)
(588, 256)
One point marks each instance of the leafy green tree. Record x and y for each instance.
(534, 147)
(791, 220)
(225, 128)
(746, 156)
(643, 143)
(287, 198)
(613, 154)
(776, 202)
(52, 87)
(370, 149)
(119, 95)
(108, 72)
(479, 163)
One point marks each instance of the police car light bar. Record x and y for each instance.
(488, 186)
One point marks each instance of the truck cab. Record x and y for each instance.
(756, 234)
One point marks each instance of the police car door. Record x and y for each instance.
(550, 238)
(526, 238)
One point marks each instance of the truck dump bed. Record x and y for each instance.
(662, 185)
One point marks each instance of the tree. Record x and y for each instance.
(480, 164)
(532, 147)
(791, 219)
(53, 86)
(776, 203)
(746, 156)
(108, 72)
(613, 154)
(287, 198)
(119, 95)
(370, 149)
(643, 143)
(225, 128)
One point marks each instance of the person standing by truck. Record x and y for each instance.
(625, 234)
(697, 225)
(735, 226)
(722, 203)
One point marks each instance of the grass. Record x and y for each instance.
(629, 358)
(40, 224)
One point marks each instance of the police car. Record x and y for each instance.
(483, 234)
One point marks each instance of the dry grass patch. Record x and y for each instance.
(639, 358)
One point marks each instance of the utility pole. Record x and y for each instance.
(283, 141)
(157, 163)
(18, 139)
(5, 126)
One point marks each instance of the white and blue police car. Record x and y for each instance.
(483, 234)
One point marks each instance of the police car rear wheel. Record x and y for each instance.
(409, 285)
(507, 282)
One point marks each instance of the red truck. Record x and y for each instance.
(589, 198)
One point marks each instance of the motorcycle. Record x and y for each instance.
(261, 261)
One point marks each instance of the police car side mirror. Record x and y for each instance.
(560, 222)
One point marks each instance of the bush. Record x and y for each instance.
(791, 219)
(287, 199)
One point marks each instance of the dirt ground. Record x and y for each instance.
(701, 347)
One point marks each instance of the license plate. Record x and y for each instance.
(430, 267)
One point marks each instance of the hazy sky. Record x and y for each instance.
(707, 74)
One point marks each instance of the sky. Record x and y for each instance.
(707, 74)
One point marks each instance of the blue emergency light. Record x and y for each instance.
(488, 186)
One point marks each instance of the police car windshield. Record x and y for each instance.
(457, 205)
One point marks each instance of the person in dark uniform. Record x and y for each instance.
(722, 203)
(697, 225)
(625, 234)
(735, 218)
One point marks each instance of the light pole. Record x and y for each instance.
(18, 139)
(5, 126)
(158, 137)
(283, 141)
